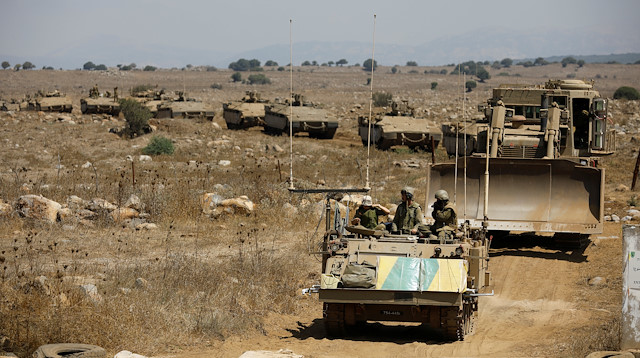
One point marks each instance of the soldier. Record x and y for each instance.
(367, 214)
(408, 215)
(444, 214)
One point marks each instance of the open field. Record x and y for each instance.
(199, 286)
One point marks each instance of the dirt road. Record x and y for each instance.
(543, 306)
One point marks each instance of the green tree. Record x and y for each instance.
(540, 61)
(580, 63)
(280, 68)
(394, 69)
(469, 85)
(149, 68)
(17, 67)
(367, 64)
(159, 145)
(412, 63)
(101, 67)
(434, 85)
(482, 74)
(626, 92)
(28, 65)
(137, 117)
(236, 77)
(330, 63)
(506, 62)
(341, 62)
(306, 63)
(314, 63)
(244, 65)
(271, 63)
(5, 65)
(258, 79)
(89, 66)
(568, 60)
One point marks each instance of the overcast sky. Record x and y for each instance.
(39, 27)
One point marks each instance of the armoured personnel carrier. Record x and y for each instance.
(400, 127)
(100, 103)
(372, 275)
(302, 117)
(246, 113)
(184, 107)
(53, 101)
(544, 144)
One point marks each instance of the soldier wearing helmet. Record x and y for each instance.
(367, 214)
(408, 215)
(444, 214)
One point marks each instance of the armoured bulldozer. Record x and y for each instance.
(370, 275)
(100, 103)
(302, 117)
(400, 127)
(246, 113)
(53, 101)
(543, 143)
(184, 107)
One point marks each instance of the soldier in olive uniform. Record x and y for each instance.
(408, 215)
(367, 214)
(444, 214)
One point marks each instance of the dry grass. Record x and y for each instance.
(206, 278)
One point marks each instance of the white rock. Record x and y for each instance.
(634, 212)
(626, 218)
(86, 165)
(91, 292)
(146, 226)
(282, 353)
(127, 354)
(615, 218)
(38, 207)
(145, 158)
(216, 126)
(97, 204)
(224, 163)
(134, 203)
(240, 205)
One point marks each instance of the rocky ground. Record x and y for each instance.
(205, 252)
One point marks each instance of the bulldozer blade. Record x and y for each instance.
(525, 195)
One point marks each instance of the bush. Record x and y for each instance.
(434, 85)
(413, 71)
(150, 68)
(236, 77)
(258, 79)
(28, 65)
(306, 63)
(137, 117)
(412, 63)
(626, 92)
(394, 69)
(89, 66)
(568, 60)
(506, 62)
(443, 71)
(367, 65)
(216, 86)
(244, 65)
(271, 63)
(158, 145)
(101, 67)
(469, 85)
(211, 68)
(382, 99)
(280, 68)
(5, 65)
(571, 75)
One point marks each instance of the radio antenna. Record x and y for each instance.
(373, 65)
(291, 104)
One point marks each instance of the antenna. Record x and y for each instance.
(373, 66)
(464, 120)
(455, 171)
(291, 103)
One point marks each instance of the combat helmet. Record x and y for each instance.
(442, 195)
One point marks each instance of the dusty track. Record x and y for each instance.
(542, 307)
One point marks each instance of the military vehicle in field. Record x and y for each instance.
(100, 103)
(400, 127)
(246, 113)
(184, 107)
(302, 117)
(53, 101)
(372, 275)
(544, 143)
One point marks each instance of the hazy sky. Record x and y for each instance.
(31, 27)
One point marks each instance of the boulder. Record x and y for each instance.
(622, 187)
(240, 205)
(146, 226)
(37, 207)
(65, 214)
(121, 214)
(145, 158)
(90, 291)
(597, 281)
(134, 203)
(224, 163)
(127, 354)
(5, 208)
(98, 204)
(76, 203)
(289, 210)
(210, 201)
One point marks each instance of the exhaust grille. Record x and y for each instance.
(522, 152)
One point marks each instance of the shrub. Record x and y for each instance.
(306, 63)
(506, 62)
(341, 62)
(5, 65)
(626, 92)
(236, 77)
(434, 85)
(271, 63)
(150, 68)
(280, 68)
(412, 63)
(571, 75)
(258, 79)
(244, 64)
(211, 68)
(216, 86)
(394, 69)
(381, 99)
(469, 85)
(101, 67)
(89, 66)
(567, 60)
(367, 64)
(503, 74)
(443, 71)
(137, 117)
(158, 145)
(413, 71)
(28, 65)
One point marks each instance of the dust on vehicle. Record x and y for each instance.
(184, 107)
(300, 116)
(246, 113)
